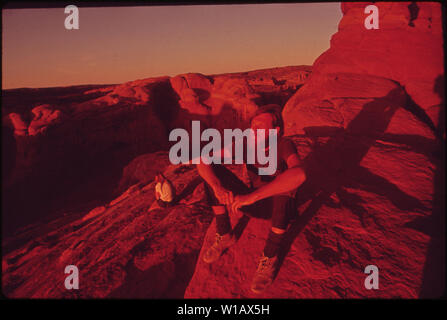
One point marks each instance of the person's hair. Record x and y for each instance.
(275, 111)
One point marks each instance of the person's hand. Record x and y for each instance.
(240, 201)
(223, 195)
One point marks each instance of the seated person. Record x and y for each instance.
(279, 188)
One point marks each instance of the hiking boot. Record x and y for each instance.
(218, 247)
(264, 274)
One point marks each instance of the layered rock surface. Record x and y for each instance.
(66, 147)
(122, 248)
(368, 124)
(383, 117)
(366, 201)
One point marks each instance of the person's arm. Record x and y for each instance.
(223, 195)
(206, 171)
(287, 181)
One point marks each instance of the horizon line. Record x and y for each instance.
(158, 76)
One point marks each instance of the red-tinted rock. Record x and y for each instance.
(44, 116)
(121, 250)
(229, 100)
(142, 169)
(406, 48)
(19, 125)
(367, 126)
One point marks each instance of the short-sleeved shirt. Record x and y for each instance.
(285, 149)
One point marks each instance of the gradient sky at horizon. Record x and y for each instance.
(119, 44)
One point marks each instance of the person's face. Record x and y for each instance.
(263, 121)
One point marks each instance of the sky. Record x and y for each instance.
(119, 44)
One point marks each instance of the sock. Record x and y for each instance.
(223, 224)
(272, 244)
(219, 209)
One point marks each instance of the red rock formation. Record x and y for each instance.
(367, 124)
(19, 126)
(96, 130)
(82, 137)
(225, 103)
(44, 116)
(139, 92)
(121, 248)
(407, 48)
(229, 100)
(67, 145)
